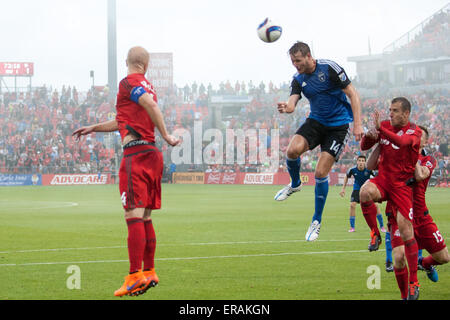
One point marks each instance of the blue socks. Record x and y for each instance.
(380, 219)
(352, 222)
(321, 192)
(293, 166)
(388, 247)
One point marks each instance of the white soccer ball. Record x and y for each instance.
(268, 31)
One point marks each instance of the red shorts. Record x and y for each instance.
(426, 233)
(140, 177)
(400, 195)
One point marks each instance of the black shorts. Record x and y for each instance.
(355, 196)
(330, 139)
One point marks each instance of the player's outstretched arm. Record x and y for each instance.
(107, 126)
(355, 103)
(147, 102)
(372, 161)
(289, 106)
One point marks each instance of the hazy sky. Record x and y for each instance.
(212, 41)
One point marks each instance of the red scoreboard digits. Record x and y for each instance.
(16, 68)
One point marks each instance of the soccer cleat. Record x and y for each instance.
(313, 231)
(375, 241)
(152, 281)
(432, 273)
(383, 229)
(351, 230)
(413, 291)
(133, 282)
(284, 193)
(389, 266)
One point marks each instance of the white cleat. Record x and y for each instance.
(284, 193)
(313, 231)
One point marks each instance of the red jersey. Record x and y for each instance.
(399, 151)
(419, 205)
(131, 117)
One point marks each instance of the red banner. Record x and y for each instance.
(16, 68)
(75, 179)
(278, 178)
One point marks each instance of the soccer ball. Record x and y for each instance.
(268, 31)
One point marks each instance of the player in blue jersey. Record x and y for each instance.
(334, 105)
(360, 174)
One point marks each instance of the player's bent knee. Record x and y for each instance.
(135, 213)
(398, 254)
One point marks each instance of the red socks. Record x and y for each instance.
(150, 245)
(369, 210)
(141, 244)
(411, 254)
(136, 243)
(429, 261)
(402, 281)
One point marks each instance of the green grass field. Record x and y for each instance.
(215, 242)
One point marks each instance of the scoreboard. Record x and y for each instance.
(11, 69)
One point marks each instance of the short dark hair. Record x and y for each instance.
(406, 105)
(425, 130)
(361, 157)
(299, 47)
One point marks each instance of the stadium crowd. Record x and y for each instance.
(36, 127)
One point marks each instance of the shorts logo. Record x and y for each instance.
(124, 198)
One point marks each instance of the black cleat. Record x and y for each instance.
(375, 241)
(413, 291)
(389, 266)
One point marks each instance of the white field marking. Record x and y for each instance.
(186, 258)
(180, 245)
(38, 205)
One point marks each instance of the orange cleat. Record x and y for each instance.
(133, 283)
(152, 281)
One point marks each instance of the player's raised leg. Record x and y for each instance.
(436, 258)
(324, 165)
(149, 254)
(297, 146)
(135, 280)
(368, 194)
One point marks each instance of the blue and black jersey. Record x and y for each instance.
(360, 176)
(323, 89)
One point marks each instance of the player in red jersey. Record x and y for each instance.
(399, 142)
(425, 230)
(141, 168)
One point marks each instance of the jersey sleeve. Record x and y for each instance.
(408, 139)
(296, 88)
(430, 164)
(133, 90)
(338, 76)
(349, 173)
